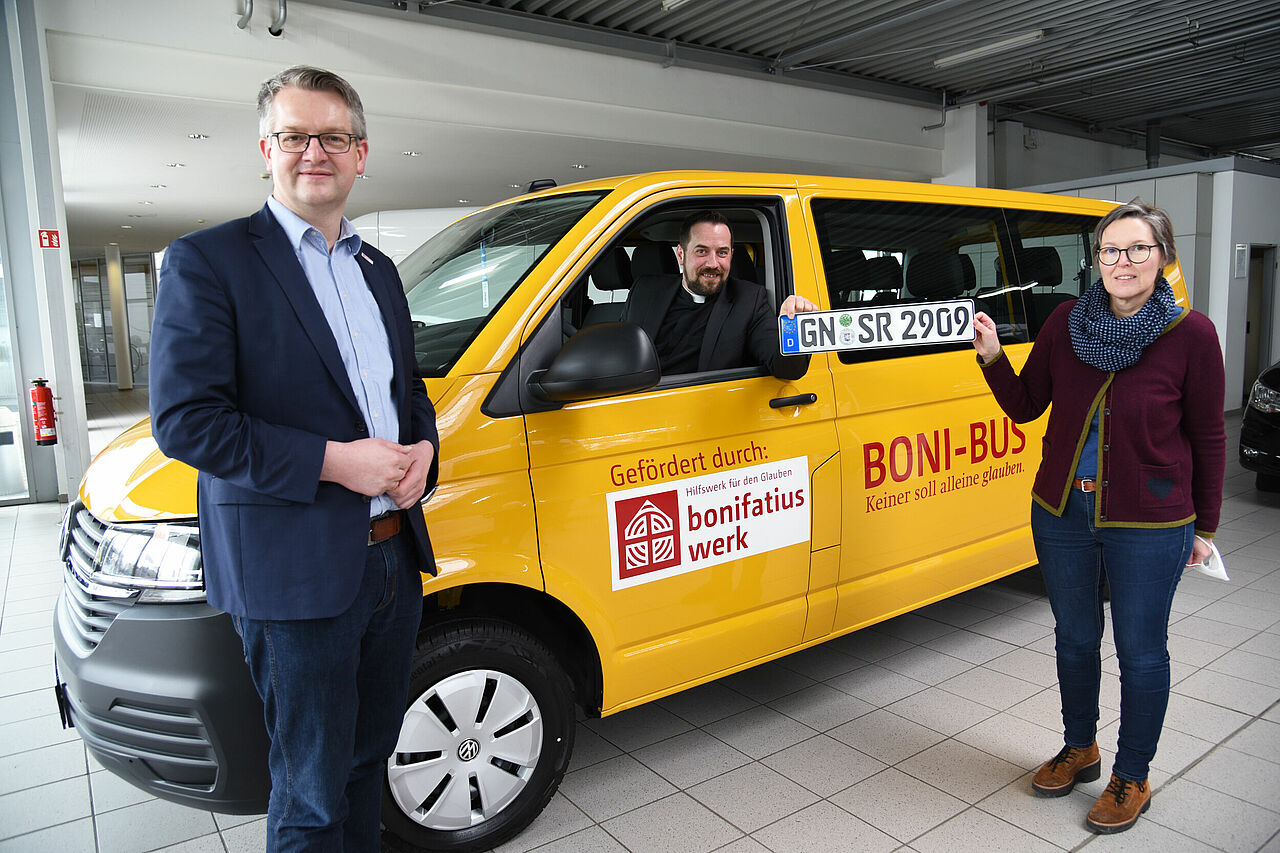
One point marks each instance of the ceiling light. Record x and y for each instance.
(668, 5)
(464, 201)
(127, 227)
(146, 202)
(988, 49)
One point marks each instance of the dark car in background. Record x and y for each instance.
(1260, 430)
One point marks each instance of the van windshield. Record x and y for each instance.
(455, 281)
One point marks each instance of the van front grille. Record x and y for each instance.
(86, 609)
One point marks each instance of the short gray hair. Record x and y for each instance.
(1157, 219)
(311, 79)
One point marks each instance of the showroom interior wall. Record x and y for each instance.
(1246, 212)
(1027, 156)
(101, 55)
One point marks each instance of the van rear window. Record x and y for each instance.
(459, 278)
(1017, 265)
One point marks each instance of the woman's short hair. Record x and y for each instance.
(1157, 219)
(311, 79)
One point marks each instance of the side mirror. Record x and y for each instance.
(602, 360)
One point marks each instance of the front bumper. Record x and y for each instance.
(163, 699)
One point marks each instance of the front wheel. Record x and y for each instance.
(485, 740)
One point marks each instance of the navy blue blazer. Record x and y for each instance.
(742, 330)
(247, 385)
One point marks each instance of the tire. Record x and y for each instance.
(485, 740)
(1267, 482)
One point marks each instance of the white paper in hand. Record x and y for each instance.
(1212, 565)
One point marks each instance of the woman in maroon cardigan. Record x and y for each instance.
(1128, 491)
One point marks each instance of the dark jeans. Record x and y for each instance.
(334, 692)
(1142, 567)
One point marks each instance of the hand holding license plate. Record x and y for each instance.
(945, 322)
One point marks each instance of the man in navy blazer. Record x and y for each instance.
(283, 370)
(702, 319)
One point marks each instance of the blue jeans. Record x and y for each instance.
(334, 692)
(1142, 567)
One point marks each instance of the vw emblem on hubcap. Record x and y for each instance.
(470, 749)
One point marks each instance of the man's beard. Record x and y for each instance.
(696, 286)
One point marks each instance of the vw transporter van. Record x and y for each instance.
(606, 535)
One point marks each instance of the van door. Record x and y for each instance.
(938, 479)
(678, 522)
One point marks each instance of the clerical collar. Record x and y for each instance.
(697, 298)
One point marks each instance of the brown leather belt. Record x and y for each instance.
(1085, 485)
(383, 527)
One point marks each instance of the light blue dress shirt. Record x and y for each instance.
(355, 319)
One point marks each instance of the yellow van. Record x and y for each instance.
(605, 535)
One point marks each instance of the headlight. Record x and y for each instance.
(163, 560)
(1264, 399)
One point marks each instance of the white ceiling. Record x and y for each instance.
(129, 88)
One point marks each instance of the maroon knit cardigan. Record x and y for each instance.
(1161, 437)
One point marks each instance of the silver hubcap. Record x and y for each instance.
(467, 748)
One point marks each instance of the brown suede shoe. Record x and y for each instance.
(1061, 773)
(1119, 806)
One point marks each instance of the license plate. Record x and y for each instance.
(924, 323)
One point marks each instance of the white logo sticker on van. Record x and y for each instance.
(679, 526)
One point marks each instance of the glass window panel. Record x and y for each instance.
(1051, 264)
(892, 253)
(457, 280)
(139, 288)
(13, 405)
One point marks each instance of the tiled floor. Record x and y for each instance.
(918, 735)
(110, 412)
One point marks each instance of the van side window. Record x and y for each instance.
(1052, 262)
(1009, 262)
(645, 247)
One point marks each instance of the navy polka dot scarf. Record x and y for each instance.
(1107, 342)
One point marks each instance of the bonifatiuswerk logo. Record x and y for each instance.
(649, 533)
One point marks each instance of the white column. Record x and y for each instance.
(119, 319)
(966, 147)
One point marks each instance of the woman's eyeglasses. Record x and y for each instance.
(1110, 255)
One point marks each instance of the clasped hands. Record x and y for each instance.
(374, 466)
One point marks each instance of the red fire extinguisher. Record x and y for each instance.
(42, 412)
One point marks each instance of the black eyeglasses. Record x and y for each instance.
(1110, 255)
(292, 142)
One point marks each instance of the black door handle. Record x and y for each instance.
(797, 400)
